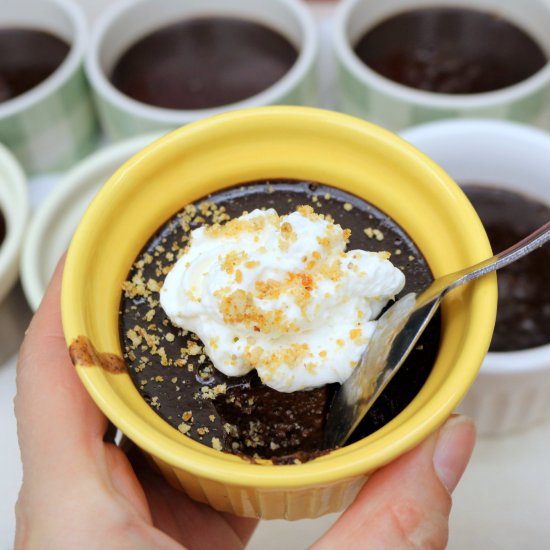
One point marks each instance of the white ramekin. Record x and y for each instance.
(512, 391)
(53, 224)
(14, 204)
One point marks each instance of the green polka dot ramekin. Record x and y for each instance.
(363, 92)
(51, 126)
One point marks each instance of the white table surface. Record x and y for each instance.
(502, 502)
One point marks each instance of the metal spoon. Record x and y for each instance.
(396, 333)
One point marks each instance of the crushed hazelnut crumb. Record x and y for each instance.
(184, 428)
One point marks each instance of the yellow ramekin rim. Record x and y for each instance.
(396, 437)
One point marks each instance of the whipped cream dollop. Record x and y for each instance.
(280, 294)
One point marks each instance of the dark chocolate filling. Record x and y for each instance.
(240, 414)
(203, 63)
(451, 50)
(523, 313)
(27, 57)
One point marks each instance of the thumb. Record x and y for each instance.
(406, 504)
(57, 421)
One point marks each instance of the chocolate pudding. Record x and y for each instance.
(451, 50)
(523, 313)
(27, 57)
(203, 63)
(239, 414)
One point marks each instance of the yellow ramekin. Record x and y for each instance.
(265, 143)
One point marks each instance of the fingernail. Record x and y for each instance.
(453, 449)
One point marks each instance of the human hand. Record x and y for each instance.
(82, 492)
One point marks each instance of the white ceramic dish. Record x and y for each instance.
(512, 390)
(14, 205)
(54, 222)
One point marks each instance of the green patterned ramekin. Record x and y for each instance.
(52, 125)
(363, 92)
(128, 20)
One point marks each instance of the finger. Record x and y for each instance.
(193, 524)
(407, 503)
(58, 423)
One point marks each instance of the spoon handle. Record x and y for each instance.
(444, 284)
